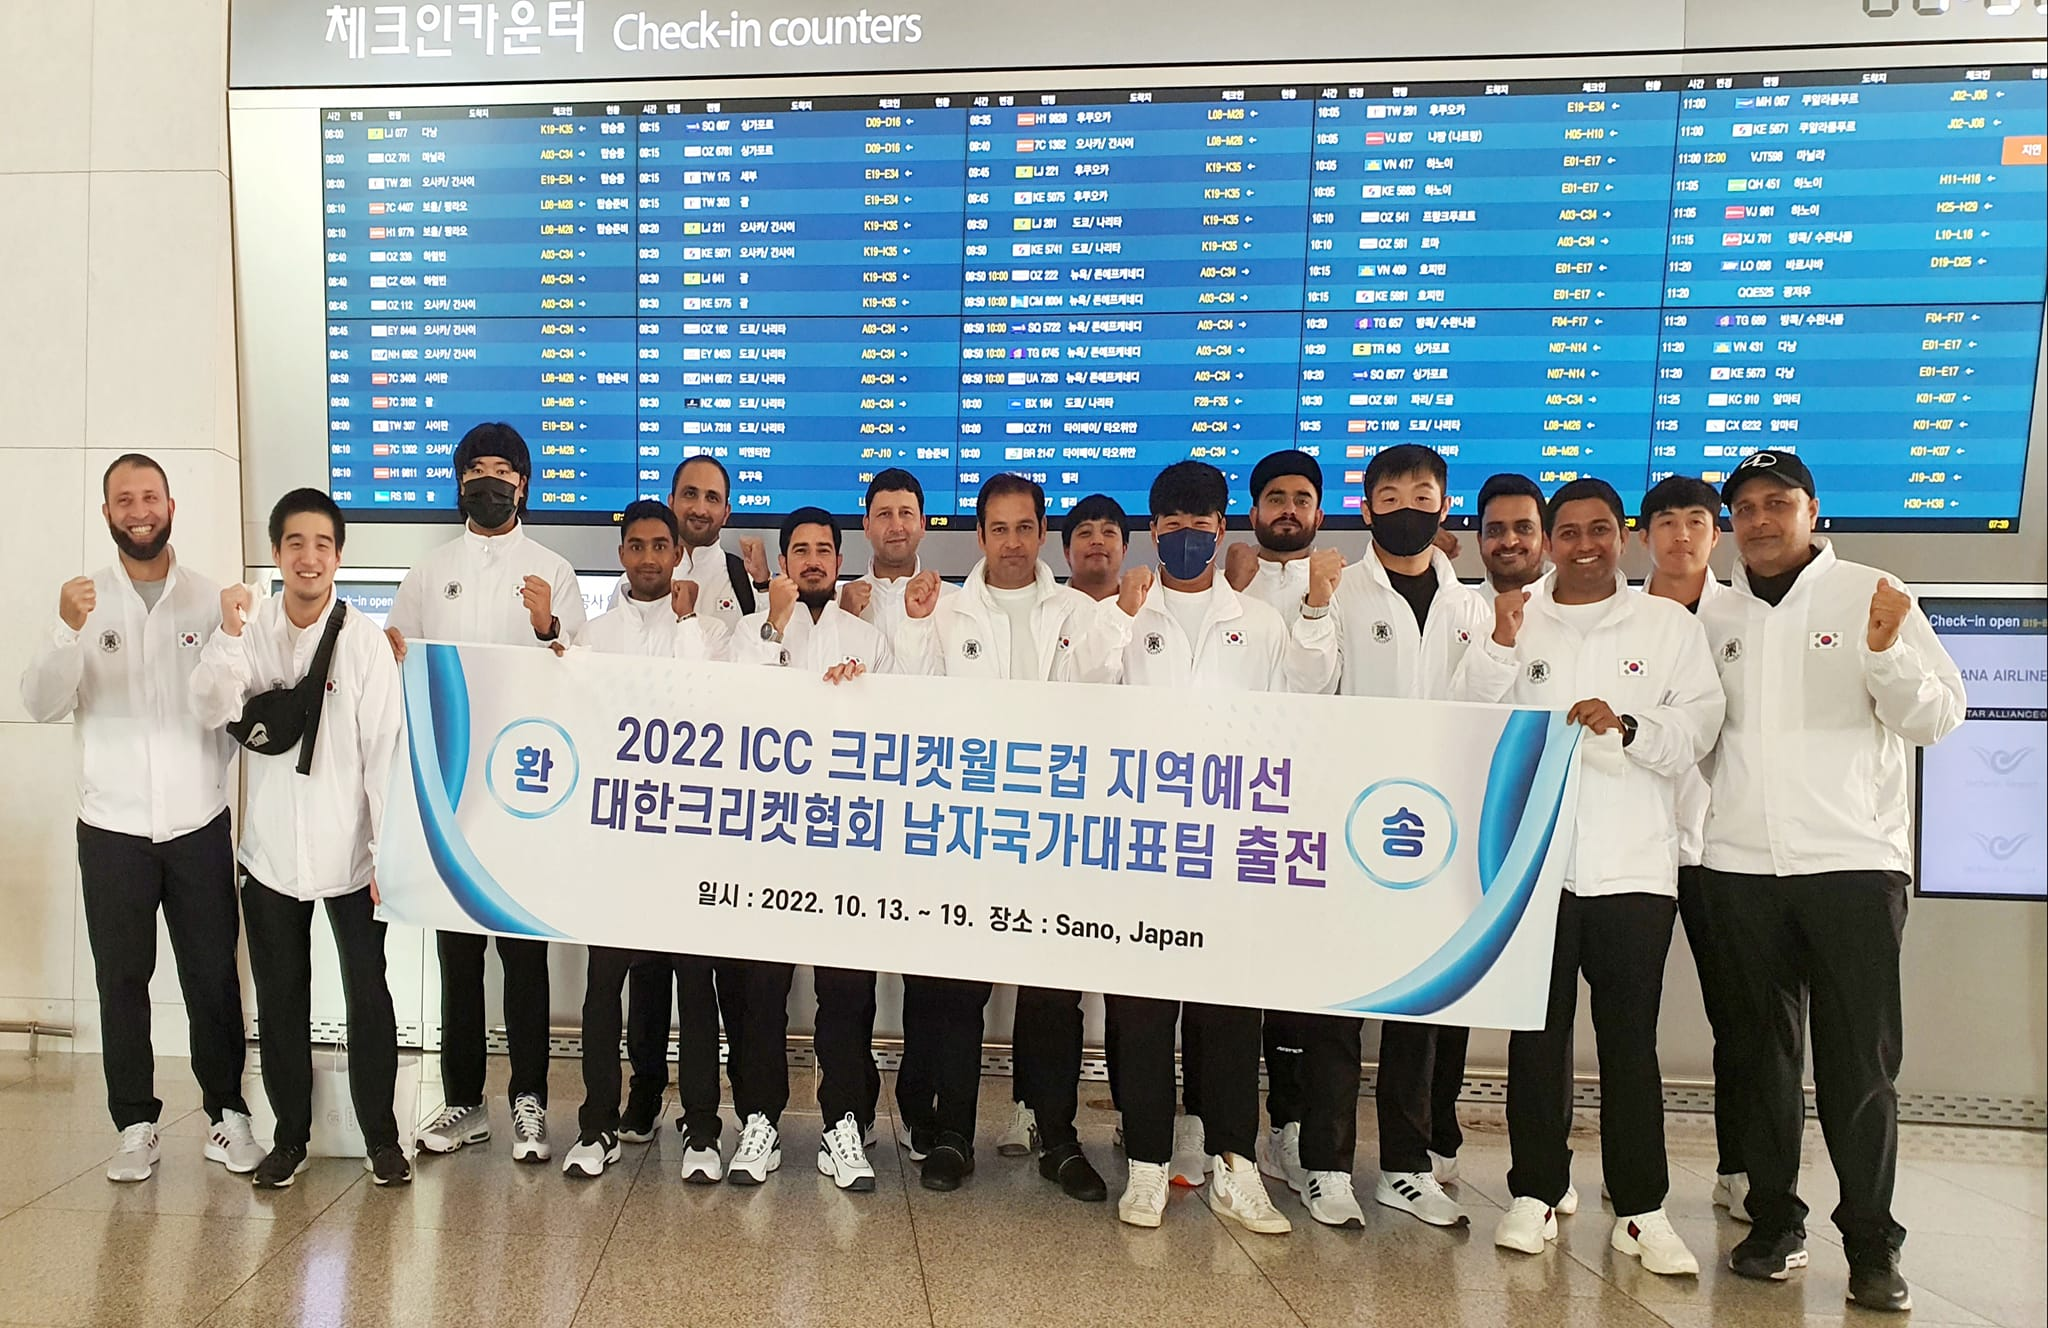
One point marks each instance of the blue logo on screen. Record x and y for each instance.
(1401, 833)
(532, 768)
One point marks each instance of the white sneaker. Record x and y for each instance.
(1527, 1226)
(1283, 1157)
(1331, 1200)
(1570, 1203)
(591, 1155)
(138, 1156)
(841, 1156)
(233, 1145)
(1144, 1195)
(456, 1127)
(1190, 1152)
(1445, 1169)
(1021, 1139)
(1417, 1192)
(1237, 1192)
(702, 1166)
(759, 1153)
(1649, 1237)
(1732, 1193)
(529, 1129)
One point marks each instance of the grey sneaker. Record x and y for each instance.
(456, 1127)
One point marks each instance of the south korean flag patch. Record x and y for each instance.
(1633, 668)
(1825, 641)
(1233, 638)
(1066, 643)
(726, 605)
(188, 640)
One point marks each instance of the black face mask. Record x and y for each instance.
(1406, 531)
(490, 502)
(141, 553)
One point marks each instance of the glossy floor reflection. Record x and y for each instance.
(478, 1239)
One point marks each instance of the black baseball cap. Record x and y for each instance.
(1290, 462)
(1784, 467)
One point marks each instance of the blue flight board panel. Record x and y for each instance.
(1623, 278)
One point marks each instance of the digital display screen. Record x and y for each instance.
(1982, 788)
(1618, 278)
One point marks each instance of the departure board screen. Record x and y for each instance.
(1619, 278)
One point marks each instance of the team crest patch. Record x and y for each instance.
(1233, 638)
(1826, 640)
(1154, 643)
(971, 648)
(110, 640)
(187, 640)
(453, 590)
(1731, 650)
(1382, 632)
(1633, 668)
(1539, 671)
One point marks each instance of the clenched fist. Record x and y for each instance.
(754, 557)
(1137, 584)
(856, 596)
(921, 596)
(539, 598)
(781, 601)
(78, 598)
(1240, 564)
(1507, 616)
(682, 597)
(397, 640)
(1889, 606)
(845, 672)
(235, 603)
(1446, 541)
(1325, 569)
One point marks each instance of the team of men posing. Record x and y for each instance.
(1744, 767)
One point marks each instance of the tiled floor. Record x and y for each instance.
(478, 1240)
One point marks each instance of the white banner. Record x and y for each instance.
(1393, 858)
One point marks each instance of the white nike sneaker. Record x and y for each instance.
(1190, 1152)
(591, 1154)
(758, 1154)
(1732, 1193)
(1237, 1192)
(1649, 1237)
(232, 1144)
(1527, 1226)
(1282, 1160)
(529, 1129)
(1445, 1169)
(1021, 1139)
(1418, 1193)
(456, 1127)
(842, 1157)
(1144, 1198)
(138, 1156)
(1331, 1200)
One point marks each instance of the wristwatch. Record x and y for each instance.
(553, 632)
(1628, 729)
(771, 633)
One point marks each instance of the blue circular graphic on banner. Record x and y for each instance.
(532, 768)
(1401, 833)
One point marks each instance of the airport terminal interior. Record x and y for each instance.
(1209, 349)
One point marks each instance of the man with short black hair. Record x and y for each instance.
(894, 526)
(1511, 543)
(490, 585)
(1634, 672)
(1095, 536)
(1833, 674)
(310, 823)
(728, 584)
(152, 813)
(1012, 619)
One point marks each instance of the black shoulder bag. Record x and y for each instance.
(275, 721)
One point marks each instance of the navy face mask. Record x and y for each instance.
(1186, 553)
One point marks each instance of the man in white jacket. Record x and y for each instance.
(1833, 675)
(1189, 629)
(656, 617)
(894, 526)
(1511, 543)
(1012, 619)
(490, 585)
(312, 838)
(1680, 527)
(152, 813)
(1633, 670)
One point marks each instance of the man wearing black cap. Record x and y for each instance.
(1287, 512)
(491, 585)
(1832, 675)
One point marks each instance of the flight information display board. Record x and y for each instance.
(1621, 278)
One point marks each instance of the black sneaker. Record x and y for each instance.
(641, 1120)
(1768, 1255)
(387, 1165)
(1077, 1178)
(1874, 1281)
(950, 1162)
(279, 1167)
